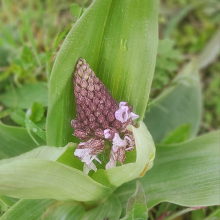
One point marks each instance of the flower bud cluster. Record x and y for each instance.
(99, 116)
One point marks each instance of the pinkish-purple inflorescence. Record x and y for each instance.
(99, 117)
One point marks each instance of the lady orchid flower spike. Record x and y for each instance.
(99, 118)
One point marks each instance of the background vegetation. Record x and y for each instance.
(32, 32)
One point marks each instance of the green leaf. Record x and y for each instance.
(24, 96)
(15, 141)
(211, 51)
(56, 210)
(119, 41)
(3, 207)
(145, 153)
(180, 134)
(136, 206)
(179, 104)
(44, 152)
(198, 214)
(215, 215)
(166, 49)
(64, 211)
(37, 112)
(42, 123)
(5, 113)
(32, 127)
(165, 208)
(186, 174)
(18, 117)
(75, 10)
(28, 209)
(62, 154)
(182, 213)
(42, 179)
(8, 201)
(107, 210)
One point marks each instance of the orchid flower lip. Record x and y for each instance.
(123, 113)
(118, 142)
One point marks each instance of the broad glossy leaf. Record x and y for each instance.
(28, 209)
(42, 179)
(179, 104)
(44, 152)
(64, 211)
(62, 154)
(180, 134)
(24, 96)
(145, 153)
(136, 206)
(56, 210)
(186, 174)
(15, 141)
(118, 38)
(108, 210)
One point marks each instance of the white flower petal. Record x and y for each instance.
(133, 116)
(88, 167)
(107, 133)
(117, 141)
(122, 104)
(81, 152)
(122, 114)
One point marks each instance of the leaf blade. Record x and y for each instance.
(179, 104)
(184, 174)
(24, 96)
(28, 179)
(136, 206)
(15, 141)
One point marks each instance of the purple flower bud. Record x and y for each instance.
(82, 135)
(99, 133)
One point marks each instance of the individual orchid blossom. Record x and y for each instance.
(131, 143)
(124, 113)
(85, 156)
(119, 155)
(118, 142)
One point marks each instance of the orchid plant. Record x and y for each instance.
(99, 136)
